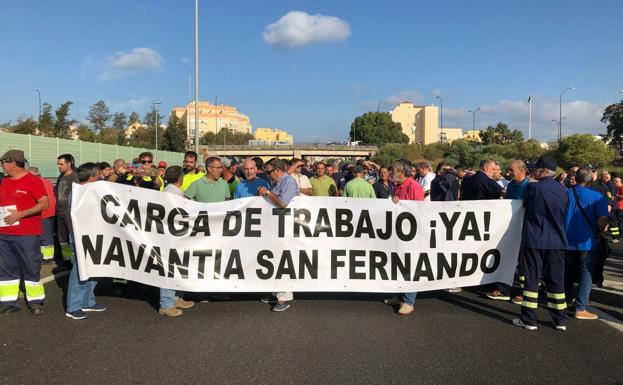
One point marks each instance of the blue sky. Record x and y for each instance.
(312, 72)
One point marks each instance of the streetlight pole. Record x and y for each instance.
(474, 118)
(197, 76)
(39, 120)
(215, 118)
(560, 112)
(155, 103)
(441, 136)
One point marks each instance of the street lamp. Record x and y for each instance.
(39, 120)
(441, 135)
(560, 111)
(474, 118)
(155, 104)
(197, 76)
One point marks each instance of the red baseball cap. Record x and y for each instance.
(162, 164)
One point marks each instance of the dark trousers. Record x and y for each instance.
(614, 221)
(20, 255)
(549, 264)
(62, 236)
(508, 289)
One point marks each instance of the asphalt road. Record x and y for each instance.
(322, 339)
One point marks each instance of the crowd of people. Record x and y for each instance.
(563, 241)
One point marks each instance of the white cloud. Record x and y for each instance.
(578, 117)
(403, 96)
(297, 29)
(138, 60)
(134, 104)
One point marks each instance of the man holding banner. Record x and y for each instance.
(80, 296)
(170, 300)
(543, 245)
(406, 189)
(284, 190)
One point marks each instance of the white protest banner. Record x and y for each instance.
(315, 244)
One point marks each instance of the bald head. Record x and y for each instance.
(518, 170)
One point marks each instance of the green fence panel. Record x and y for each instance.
(42, 152)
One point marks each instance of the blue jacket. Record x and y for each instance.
(546, 203)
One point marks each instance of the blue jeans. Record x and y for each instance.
(167, 298)
(79, 293)
(579, 264)
(409, 298)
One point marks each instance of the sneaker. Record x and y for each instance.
(78, 314)
(6, 309)
(96, 307)
(181, 304)
(519, 322)
(517, 300)
(583, 314)
(405, 309)
(615, 240)
(267, 300)
(171, 312)
(281, 306)
(561, 327)
(496, 294)
(393, 301)
(36, 309)
(455, 290)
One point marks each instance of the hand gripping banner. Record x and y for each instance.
(315, 244)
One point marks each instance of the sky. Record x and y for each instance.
(310, 67)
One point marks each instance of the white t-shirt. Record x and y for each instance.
(426, 180)
(302, 181)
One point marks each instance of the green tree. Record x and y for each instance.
(613, 115)
(108, 135)
(134, 117)
(142, 137)
(25, 126)
(119, 121)
(529, 150)
(99, 115)
(62, 122)
(377, 128)
(581, 149)
(86, 134)
(464, 153)
(500, 134)
(225, 136)
(149, 137)
(174, 137)
(120, 125)
(46, 124)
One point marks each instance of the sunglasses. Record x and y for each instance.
(144, 161)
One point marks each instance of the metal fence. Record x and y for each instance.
(42, 152)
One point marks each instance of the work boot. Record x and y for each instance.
(181, 304)
(171, 312)
(496, 294)
(586, 315)
(36, 309)
(405, 309)
(393, 301)
(518, 299)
